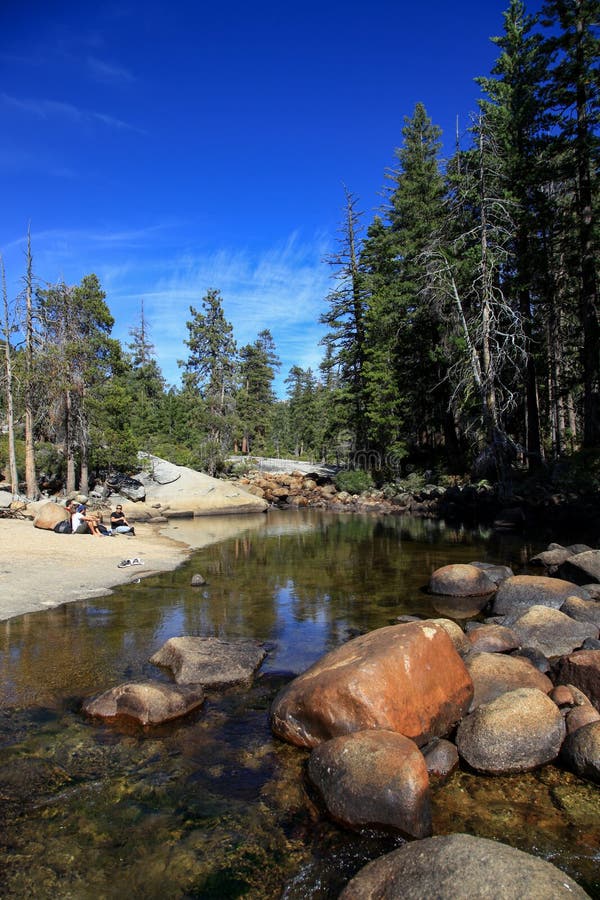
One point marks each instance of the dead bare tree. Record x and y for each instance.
(8, 328)
(487, 326)
(30, 341)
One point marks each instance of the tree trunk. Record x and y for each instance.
(589, 290)
(10, 418)
(30, 475)
(69, 448)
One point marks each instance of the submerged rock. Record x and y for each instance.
(460, 867)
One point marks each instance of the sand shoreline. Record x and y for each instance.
(40, 569)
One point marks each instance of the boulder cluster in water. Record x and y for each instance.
(389, 715)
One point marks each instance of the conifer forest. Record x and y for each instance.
(462, 331)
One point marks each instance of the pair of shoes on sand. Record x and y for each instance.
(130, 562)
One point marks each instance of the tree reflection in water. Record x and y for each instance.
(213, 806)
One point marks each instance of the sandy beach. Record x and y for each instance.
(40, 569)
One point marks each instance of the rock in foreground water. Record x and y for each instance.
(403, 678)
(516, 732)
(373, 778)
(460, 867)
(210, 661)
(460, 580)
(148, 702)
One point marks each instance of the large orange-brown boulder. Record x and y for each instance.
(373, 778)
(50, 514)
(404, 678)
(460, 580)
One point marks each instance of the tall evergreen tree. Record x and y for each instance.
(256, 399)
(345, 318)
(407, 400)
(146, 382)
(306, 419)
(574, 92)
(78, 353)
(209, 370)
(514, 115)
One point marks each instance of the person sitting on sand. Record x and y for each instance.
(118, 522)
(83, 522)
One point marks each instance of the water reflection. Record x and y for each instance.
(212, 806)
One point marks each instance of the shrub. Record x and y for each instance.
(354, 481)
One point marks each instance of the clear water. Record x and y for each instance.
(213, 806)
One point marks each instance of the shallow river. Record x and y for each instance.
(213, 806)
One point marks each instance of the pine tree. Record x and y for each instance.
(573, 101)
(514, 115)
(209, 370)
(345, 318)
(77, 356)
(256, 399)
(404, 374)
(146, 382)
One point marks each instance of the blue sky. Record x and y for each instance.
(173, 147)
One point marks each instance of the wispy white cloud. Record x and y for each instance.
(48, 109)
(280, 287)
(108, 72)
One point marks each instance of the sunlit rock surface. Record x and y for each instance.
(148, 702)
(210, 661)
(403, 678)
(517, 731)
(523, 591)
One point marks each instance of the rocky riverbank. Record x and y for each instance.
(507, 683)
(535, 506)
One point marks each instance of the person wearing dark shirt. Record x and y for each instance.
(118, 522)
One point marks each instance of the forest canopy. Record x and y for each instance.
(462, 331)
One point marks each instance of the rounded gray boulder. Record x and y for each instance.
(516, 732)
(460, 867)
